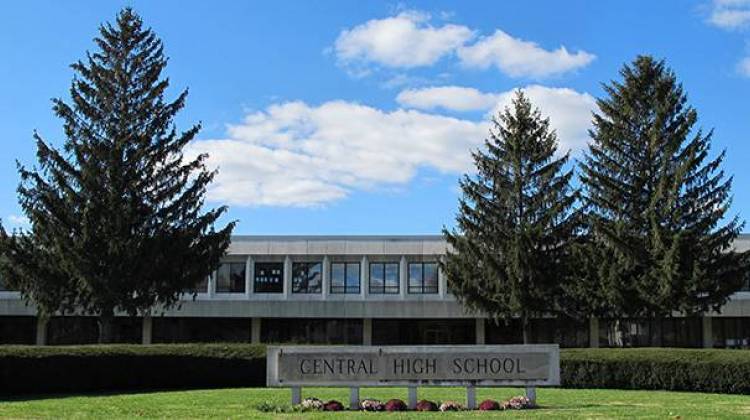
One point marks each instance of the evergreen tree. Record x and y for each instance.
(116, 215)
(658, 240)
(516, 221)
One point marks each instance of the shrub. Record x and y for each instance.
(451, 406)
(424, 405)
(333, 405)
(517, 403)
(488, 405)
(698, 370)
(311, 404)
(372, 405)
(75, 369)
(395, 405)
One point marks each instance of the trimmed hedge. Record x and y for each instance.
(697, 370)
(76, 369)
(73, 369)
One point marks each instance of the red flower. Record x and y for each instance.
(395, 405)
(487, 405)
(333, 405)
(424, 405)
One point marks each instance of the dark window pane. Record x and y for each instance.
(423, 331)
(237, 272)
(311, 331)
(307, 277)
(269, 278)
(230, 278)
(201, 287)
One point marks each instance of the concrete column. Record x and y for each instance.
(412, 397)
(326, 276)
(41, 331)
(708, 334)
(255, 330)
(367, 332)
(146, 329)
(296, 395)
(287, 276)
(471, 397)
(479, 328)
(249, 275)
(364, 277)
(354, 398)
(403, 274)
(594, 333)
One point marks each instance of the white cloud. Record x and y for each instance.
(519, 58)
(296, 154)
(18, 221)
(454, 98)
(569, 111)
(743, 67)
(730, 14)
(405, 40)
(408, 40)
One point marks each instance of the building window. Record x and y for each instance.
(230, 278)
(269, 278)
(423, 278)
(307, 277)
(201, 287)
(345, 278)
(384, 278)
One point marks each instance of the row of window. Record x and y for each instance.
(307, 278)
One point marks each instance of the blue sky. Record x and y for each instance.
(357, 117)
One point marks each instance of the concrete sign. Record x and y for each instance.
(507, 365)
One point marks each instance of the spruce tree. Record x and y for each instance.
(117, 218)
(516, 221)
(660, 240)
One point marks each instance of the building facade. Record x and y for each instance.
(356, 290)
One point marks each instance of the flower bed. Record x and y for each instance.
(315, 404)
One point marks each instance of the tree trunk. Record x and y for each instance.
(106, 327)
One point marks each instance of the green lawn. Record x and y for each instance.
(240, 403)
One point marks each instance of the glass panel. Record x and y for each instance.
(415, 278)
(269, 278)
(430, 284)
(201, 287)
(237, 274)
(391, 278)
(376, 278)
(307, 277)
(222, 279)
(338, 277)
(352, 278)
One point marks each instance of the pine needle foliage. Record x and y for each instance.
(117, 219)
(516, 221)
